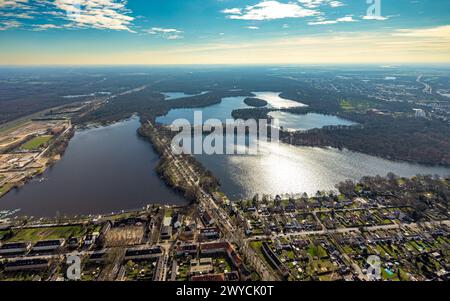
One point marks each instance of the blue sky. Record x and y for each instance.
(222, 31)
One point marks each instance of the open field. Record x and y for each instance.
(21, 153)
(21, 129)
(36, 234)
(129, 235)
(36, 143)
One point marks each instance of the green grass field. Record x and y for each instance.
(36, 234)
(347, 105)
(36, 143)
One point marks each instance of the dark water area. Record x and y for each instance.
(105, 169)
(222, 111)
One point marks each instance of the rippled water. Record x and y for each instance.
(103, 170)
(295, 122)
(282, 168)
(275, 101)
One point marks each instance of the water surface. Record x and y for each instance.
(178, 95)
(103, 170)
(221, 111)
(283, 168)
(296, 122)
(275, 101)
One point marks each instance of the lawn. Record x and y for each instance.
(36, 234)
(318, 251)
(36, 143)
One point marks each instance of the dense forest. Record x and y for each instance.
(150, 104)
(255, 102)
(25, 91)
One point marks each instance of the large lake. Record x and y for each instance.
(104, 169)
(283, 168)
(295, 122)
(289, 169)
(223, 110)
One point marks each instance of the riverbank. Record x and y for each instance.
(34, 163)
(170, 172)
(104, 169)
(400, 138)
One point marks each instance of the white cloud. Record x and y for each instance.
(252, 27)
(270, 10)
(346, 19)
(321, 21)
(167, 33)
(13, 3)
(377, 18)
(236, 11)
(13, 10)
(317, 3)
(42, 27)
(326, 22)
(100, 14)
(9, 25)
(336, 3)
(16, 15)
